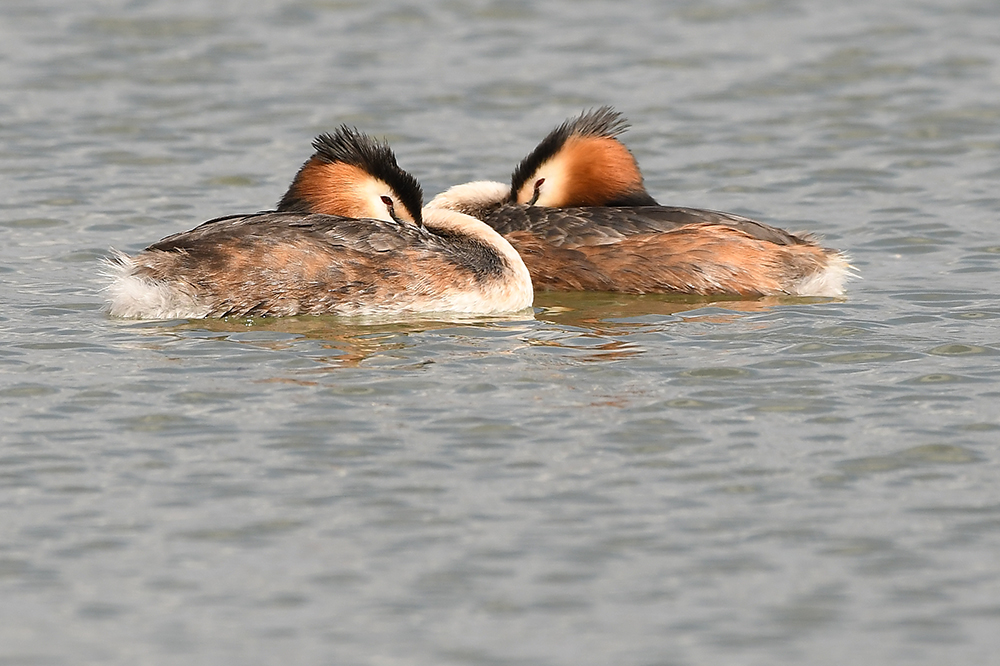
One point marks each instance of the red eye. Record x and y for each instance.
(538, 191)
(387, 200)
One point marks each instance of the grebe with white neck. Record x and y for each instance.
(578, 213)
(373, 251)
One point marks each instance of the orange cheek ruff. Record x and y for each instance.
(598, 170)
(329, 188)
(587, 171)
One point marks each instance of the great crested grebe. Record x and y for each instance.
(373, 252)
(579, 215)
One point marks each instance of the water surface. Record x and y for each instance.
(613, 479)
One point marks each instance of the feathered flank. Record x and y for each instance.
(665, 249)
(280, 264)
(351, 151)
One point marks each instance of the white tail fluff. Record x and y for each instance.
(134, 297)
(830, 281)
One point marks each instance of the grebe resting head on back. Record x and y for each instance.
(582, 163)
(579, 163)
(371, 252)
(579, 214)
(349, 175)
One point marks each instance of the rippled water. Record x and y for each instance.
(618, 480)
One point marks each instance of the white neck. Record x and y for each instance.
(472, 198)
(515, 290)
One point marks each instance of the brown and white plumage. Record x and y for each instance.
(298, 262)
(579, 214)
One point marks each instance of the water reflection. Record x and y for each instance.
(592, 326)
(348, 342)
(607, 313)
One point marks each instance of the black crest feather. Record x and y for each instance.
(601, 122)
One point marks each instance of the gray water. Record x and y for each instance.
(615, 480)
